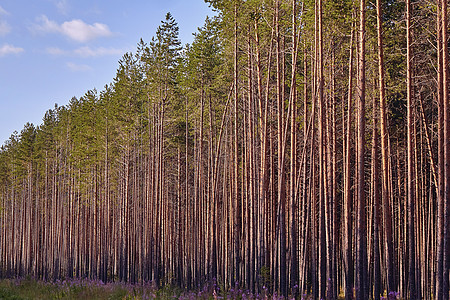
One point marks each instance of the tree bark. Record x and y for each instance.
(348, 195)
(411, 169)
(361, 284)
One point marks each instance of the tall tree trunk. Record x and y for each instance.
(322, 160)
(293, 171)
(446, 108)
(376, 203)
(348, 198)
(237, 206)
(281, 169)
(386, 204)
(411, 169)
(440, 195)
(361, 284)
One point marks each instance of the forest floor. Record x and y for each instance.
(30, 289)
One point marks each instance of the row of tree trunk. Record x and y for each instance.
(253, 172)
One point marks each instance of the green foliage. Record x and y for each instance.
(162, 55)
(4, 168)
(204, 55)
(29, 289)
(264, 277)
(204, 72)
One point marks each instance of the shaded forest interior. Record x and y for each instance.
(297, 146)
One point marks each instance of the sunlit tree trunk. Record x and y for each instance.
(446, 112)
(361, 283)
(348, 195)
(411, 168)
(386, 204)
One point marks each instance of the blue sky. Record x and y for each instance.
(52, 50)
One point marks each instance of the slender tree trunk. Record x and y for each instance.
(440, 196)
(293, 171)
(361, 284)
(446, 108)
(376, 192)
(389, 252)
(322, 158)
(348, 198)
(281, 169)
(411, 169)
(237, 228)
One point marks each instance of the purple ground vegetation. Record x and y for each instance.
(97, 289)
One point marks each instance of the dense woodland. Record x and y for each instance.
(299, 147)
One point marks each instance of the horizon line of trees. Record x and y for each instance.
(298, 146)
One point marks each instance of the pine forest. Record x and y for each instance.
(296, 147)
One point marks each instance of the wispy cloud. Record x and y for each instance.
(3, 11)
(82, 32)
(56, 51)
(45, 25)
(9, 49)
(76, 30)
(85, 52)
(78, 68)
(4, 28)
(63, 6)
(90, 52)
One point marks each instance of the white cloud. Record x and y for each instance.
(81, 32)
(78, 68)
(76, 30)
(4, 28)
(85, 52)
(3, 11)
(45, 25)
(89, 52)
(9, 49)
(55, 51)
(62, 6)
